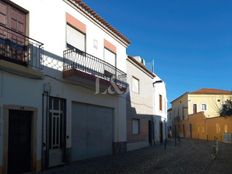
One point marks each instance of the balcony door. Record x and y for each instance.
(12, 29)
(12, 17)
(110, 58)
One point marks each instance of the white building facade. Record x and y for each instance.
(160, 108)
(140, 128)
(146, 106)
(61, 97)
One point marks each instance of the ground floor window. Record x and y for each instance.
(204, 107)
(135, 126)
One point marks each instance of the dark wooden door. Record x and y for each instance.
(151, 132)
(19, 142)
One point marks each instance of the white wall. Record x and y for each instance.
(20, 91)
(142, 101)
(47, 24)
(74, 93)
(159, 89)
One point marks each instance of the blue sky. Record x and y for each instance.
(189, 40)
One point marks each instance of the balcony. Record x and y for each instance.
(18, 52)
(83, 67)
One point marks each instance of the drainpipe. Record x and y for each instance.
(45, 110)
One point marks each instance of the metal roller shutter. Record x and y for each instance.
(92, 131)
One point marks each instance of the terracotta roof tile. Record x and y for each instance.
(100, 19)
(211, 91)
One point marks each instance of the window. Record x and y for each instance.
(194, 108)
(135, 126)
(13, 18)
(135, 85)
(204, 107)
(109, 56)
(75, 38)
(160, 102)
(13, 26)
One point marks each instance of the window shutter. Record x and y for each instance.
(109, 57)
(75, 38)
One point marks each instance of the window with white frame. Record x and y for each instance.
(135, 126)
(75, 38)
(204, 107)
(135, 85)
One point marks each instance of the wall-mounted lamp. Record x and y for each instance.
(158, 81)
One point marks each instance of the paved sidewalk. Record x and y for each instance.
(188, 157)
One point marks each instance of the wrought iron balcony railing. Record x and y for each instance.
(18, 48)
(82, 61)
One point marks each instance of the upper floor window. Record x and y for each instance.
(194, 108)
(204, 107)
(109, 56)
(13, 43)
(12, 18)
(110, 52)
(135, 85)
(160, 102)
(75, 38)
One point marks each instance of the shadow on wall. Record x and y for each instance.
(142, 129)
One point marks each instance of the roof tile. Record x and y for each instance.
(100, 19)
(211, 91)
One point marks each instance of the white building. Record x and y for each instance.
(160, 107)
(51, 110)
(146, 106)
(140, 127)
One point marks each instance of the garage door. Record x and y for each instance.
(92, 131)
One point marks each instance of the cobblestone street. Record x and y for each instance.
(188, 157)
